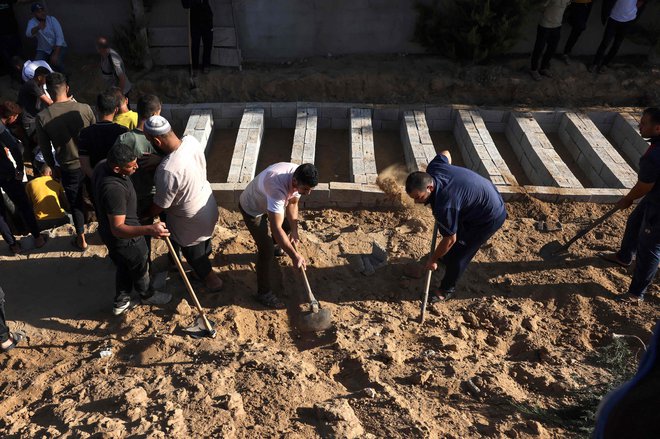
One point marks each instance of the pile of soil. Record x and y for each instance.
(522, 330)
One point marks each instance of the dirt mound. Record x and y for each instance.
(517, 341)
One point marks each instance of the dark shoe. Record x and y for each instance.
(157, 298)
(612, 258)
(593, 68)
(546, 73)
(440, 296)
(270, 300)
(566, 59)
(629, 299)
(535, 75)
(16, 338)
(121, 307)
(15, 249)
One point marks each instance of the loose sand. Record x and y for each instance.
(522, 329)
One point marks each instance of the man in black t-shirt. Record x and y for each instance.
(96, 140)
(120, 229)
(642, 235)
(33, 98)
(201, 28)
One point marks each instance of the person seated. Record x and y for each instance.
(125, 116)
(47, 197)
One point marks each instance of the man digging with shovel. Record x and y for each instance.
(468, 210)
(642, 234)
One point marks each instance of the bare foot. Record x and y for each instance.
(80, 243)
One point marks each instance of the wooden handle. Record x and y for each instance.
(427, 285)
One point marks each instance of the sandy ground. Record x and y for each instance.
(522, 329)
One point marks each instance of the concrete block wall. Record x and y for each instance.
(479, 150)
(625, 133)
(538, 158)
(418, 147)
(363, 159)
(248, 143)
(200, 126)
(304, 137)
(602, 164)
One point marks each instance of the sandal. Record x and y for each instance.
(612, 258)
(440, 296)
(270, 300)
(16, 338)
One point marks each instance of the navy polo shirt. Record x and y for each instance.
(462, 199)
(649, 170)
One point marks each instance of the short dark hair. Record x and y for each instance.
(307, 174)
(147, 106)
(654, 114)
(418, 181)
(121, 154)
(106, 103)
(41, 71)
(117, 92)
(9, 109)
(55, 81)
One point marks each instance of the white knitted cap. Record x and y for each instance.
(157, 126)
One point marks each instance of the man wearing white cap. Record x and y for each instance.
(184, 193)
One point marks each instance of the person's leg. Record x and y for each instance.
(207, 39)
(619, 35)
(4, 330)
(41, 55)
(459, 256)
(197, 257)
(631, 235)
(539, 45)
(72, 181)
(648, 252)
(16, 193)
(195, 38)
(578, 20)
(5, 230)
(552, 41)
(258, 228)
(608, 36)
(123, 281)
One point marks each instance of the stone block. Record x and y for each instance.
(341, 192)
(321, 194)
(223, 192)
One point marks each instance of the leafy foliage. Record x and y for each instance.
(131, 43)
(470, 30)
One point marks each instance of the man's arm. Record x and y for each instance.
(8, 141)
(276, 220)
(639, 190)
(46, 99)
(442, 249)
(44, 145)
(86, 165)
(155, 210)
(33, 27)
(123, 231)
(446, 154)
(292, 216)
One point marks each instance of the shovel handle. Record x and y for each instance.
(427, 285)
(308, 288)
(189, 287)
(590, 227)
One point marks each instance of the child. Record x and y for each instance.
(124, 116)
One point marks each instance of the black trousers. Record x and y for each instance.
(577, 16)
(197, 257)
(16, 193)
(615, 32)
(132, 270)
(73, 182)
(206, 37)
(4, 330)
(548, 39)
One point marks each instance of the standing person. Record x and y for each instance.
(47, 30)
(33, 98)
(47, 198)
(271, 198)
(468, 210)
(623, 13)
(577, 16)
(548, 34)
(8, 340)
(60, 125)
(184, 193)
(113, 70)
(27, 68)
(121, 231)
(124, 116)
(642, 235)
(11, 180)
(201, 28)
(95, 141)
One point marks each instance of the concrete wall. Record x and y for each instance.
(289, 29)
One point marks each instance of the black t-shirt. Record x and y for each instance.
(96, 140)
(649, 170)
(29, 99)
(114, 195)
(8, 25)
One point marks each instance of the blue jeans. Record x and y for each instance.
(42, 55)
(642, 237)
(466, 246)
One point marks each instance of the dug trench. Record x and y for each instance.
(521, 330)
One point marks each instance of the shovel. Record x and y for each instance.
(317, 319)
(203, 327)
(427, 286)
(555, 249)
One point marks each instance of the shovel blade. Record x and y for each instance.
(199, 329)
(552, 250)
(315, 321)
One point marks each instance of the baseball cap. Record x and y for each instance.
(36, 7)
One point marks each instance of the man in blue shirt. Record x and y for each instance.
(642, 235)
(47, 30)
(468, 210)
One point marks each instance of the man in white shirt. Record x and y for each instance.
(270, 198)
(621, 18)
(184, 193)
(50, 38)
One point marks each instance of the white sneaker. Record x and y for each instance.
(157, 298)
(119, 309)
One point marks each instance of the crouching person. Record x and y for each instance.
(120, 229)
